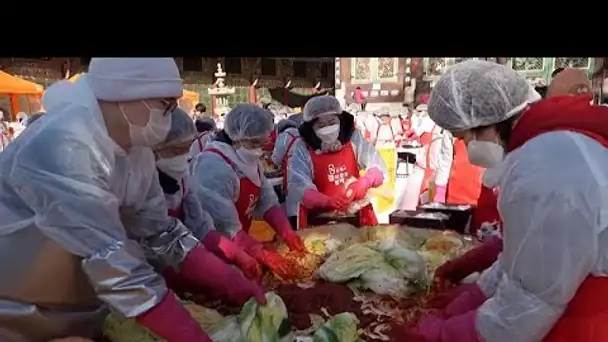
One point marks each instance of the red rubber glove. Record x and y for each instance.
(450, 300)
(410, 135)
(277, 219)
(276, 263)
(313, 199)
(203, 268)
(475, 260)
(170, 321)
(435, 329)
(373, 178)
(229, 251)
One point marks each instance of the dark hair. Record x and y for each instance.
(347, 127)
(504, 128)
(542, 91)
(221, 136)
(358, 88)
(200, 107)
(556, 72)
(203, 126)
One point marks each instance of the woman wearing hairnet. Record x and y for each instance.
(206, 128)
(183, 203)
(329, 154)
(288, 135)
(230, 168)
(63, 192)
(486, 219)
(548, 282)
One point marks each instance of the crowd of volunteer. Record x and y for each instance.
(115, 199)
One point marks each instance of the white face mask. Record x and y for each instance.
(154, 132)
(328, 134)
(175, 167)
(250, 156)
(486, 154)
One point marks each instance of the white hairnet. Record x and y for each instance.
(182, 128)
(247, 121)
(320, 106)
(129, 79)
(478, 93)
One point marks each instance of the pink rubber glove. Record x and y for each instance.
(203, 268)
(468, 300)
(475, 260)
(443, 299)
(276, 263)
(228, 250)
(171, 322)
(277, 219)
(373, 178)
(440, 192)
(434, 329)
(313, 199)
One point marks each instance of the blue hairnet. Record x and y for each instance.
(285, 124)
(478, 93)
(248, 121)
(297, 118)
(182, 128)
(33, 118)
(321, 105)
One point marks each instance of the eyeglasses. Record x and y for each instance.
(169, 104)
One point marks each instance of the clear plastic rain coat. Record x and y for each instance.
(280, 153)
(280, 147)
(300, 175)
(221, 184)
(555, 215)
(64, 195)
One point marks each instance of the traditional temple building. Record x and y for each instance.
(392, 82)
(386, 81)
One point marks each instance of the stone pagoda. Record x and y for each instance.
(219, 93)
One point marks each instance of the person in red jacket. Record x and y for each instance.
(547, 283)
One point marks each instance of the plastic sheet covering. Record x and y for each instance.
(220, 189)
(553, 211)
(61, 178)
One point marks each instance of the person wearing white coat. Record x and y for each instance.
(550, 280)
(63, 197)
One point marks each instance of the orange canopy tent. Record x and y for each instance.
(75, 77)
(19, 95)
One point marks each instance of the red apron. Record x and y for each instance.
(178, 212)
(486, 210)
(587, 313)
(464, 184)
(406, 125)
(331, 171)
(249, 194)
(285, 160)
(253, 95)
(425, 140)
